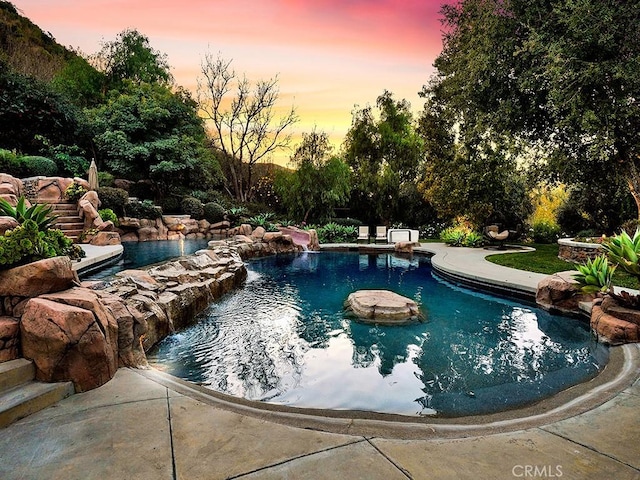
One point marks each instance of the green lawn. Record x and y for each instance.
(545, 260)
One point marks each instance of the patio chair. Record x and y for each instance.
(381, 234)
(496, 237)
(363, 234)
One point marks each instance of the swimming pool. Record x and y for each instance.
(141, 254)
(285, 339)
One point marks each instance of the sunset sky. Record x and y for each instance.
(329, 55)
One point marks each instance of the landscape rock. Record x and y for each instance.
(66, 343)
(7, 223)
(560, 293)
(612, 330)
(405, 247)
(383, 307)
(9, 338)
(35, 278)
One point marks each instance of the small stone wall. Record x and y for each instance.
(577, 252)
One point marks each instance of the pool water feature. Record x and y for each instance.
(285, 339)
(140, 254)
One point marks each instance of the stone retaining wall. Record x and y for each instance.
(577, 252)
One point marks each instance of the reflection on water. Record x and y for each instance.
(284, 339)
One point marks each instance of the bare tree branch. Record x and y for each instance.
(243, 118)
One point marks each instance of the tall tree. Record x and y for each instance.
(131, 57)
(320, 182)
(477, 178)
(246, 128)
(384, 155)
(560, 77)
(149, 132)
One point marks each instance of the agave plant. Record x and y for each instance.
(595, 275)
(39, 213)
(624, 251)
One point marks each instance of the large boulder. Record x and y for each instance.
(88, 209)
(10, 185)
(102, 239)
(67, 343)
(131, 328)
(405, 247)
(35, 278)
(9, 338)
(7, 223)
(89, 300)
(561, 293)
(612, 330)
(383, 307)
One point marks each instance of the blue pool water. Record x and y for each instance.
(140, 254)
(285, 339)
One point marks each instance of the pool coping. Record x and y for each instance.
(622, 370)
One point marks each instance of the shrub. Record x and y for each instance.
(432, 230)
(74, 191)
(473, 240)
(106, 179)
(26, 243)
(214, 212)
(9, 163)
(334, 233)
(262, 220)
(453, 236)
(107, 214)
(144, 209)
(71, 165)
(630, 226)
(347, 222)
(170, 204)
(34, 166)
(545, 232)
(192, 206)
(235, 214)
(113, 198)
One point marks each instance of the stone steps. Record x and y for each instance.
(68, 219)
(21, 395)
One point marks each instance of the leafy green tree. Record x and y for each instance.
(149, 132)
(557, 77)
(318, 185)
(80, 82)
(384, 155)
(477, 178)
(131, 57)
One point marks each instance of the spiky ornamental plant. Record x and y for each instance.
(624, 251)
(39, 213)
(595, 275)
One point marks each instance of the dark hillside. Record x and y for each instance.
(27, 49)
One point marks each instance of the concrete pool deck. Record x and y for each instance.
(147, 425)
